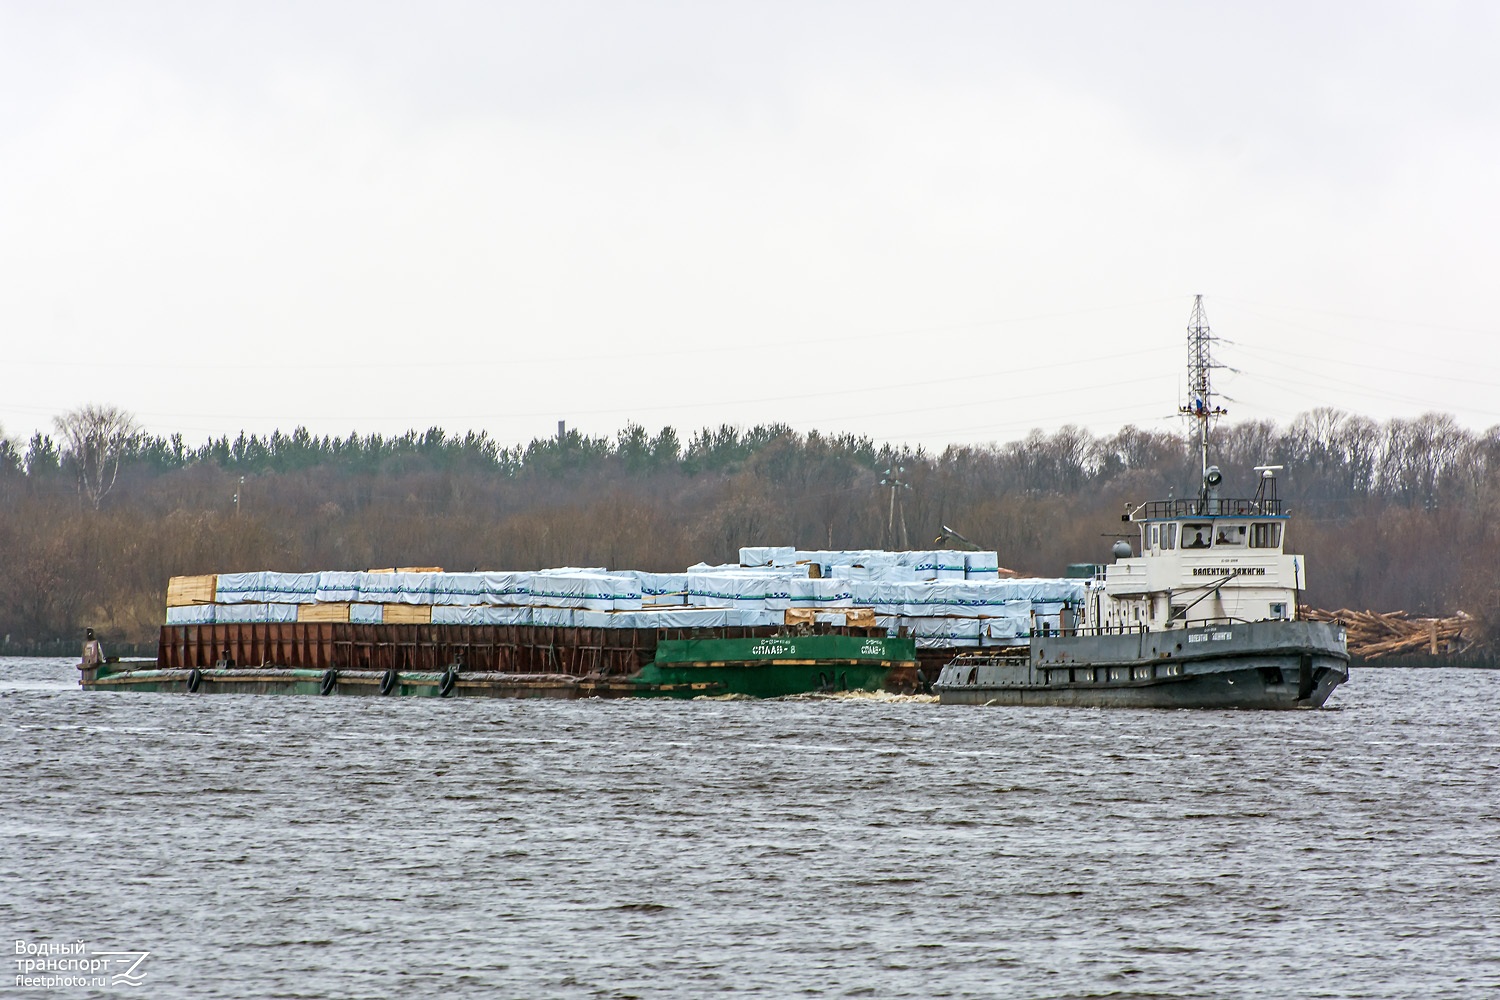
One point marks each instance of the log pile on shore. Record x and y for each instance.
(1373, 635)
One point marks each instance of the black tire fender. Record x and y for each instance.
(194, 678)
(445, 684)
(388, 681)
(330, 678)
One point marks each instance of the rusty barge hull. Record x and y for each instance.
(508, 649)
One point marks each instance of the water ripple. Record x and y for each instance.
(305, 847)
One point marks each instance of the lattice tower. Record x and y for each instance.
(1200, 405)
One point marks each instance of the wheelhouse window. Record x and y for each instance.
(1197, 536)
(1265, 535)
(1155, 536)
(1232, 535)
(1169, 535)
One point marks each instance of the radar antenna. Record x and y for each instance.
(1200, 405)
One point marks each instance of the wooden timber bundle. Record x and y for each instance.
(1373, 635)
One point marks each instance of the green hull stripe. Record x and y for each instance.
(843, 648)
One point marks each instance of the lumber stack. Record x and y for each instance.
(1373, 635)
(407, 614)
(332, 612)
(185, 591)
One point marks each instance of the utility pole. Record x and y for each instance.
(1200, 405)
(237, 497)
(894, 477)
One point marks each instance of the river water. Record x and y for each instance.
(349, 847)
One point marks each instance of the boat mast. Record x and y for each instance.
(1200, 405)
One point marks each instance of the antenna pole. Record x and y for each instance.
(1200, 405)
(895, 478)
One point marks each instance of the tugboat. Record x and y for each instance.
(1201, 613)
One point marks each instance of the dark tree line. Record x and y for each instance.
(1400, 514)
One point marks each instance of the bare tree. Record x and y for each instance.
(94, 437)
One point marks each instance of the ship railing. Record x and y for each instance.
(1222, 620)
(1005, 655)
(1158, 510)
(1135, 629)
(1141, 629)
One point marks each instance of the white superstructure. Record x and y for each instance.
(1204, 560)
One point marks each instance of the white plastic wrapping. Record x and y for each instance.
(937, 642)
(485, 614)
(867, 558)
(590, 591)
(943, 628)
(1010, 631)
(506, 588)
(583, 618)
(934, 633)
(192, 614)
(821, 593)
(950, 564)
(778, 599)
(757, 618)
(887, 598)
(266, 587)
(460, 588)
(338, 585)
(981, 565)
(256, 613)
(767, 555)
(558, 617)
(736, 590)
(1042, 589)
(662, 588)
(398, 588)
(975, 598)
(687, 618)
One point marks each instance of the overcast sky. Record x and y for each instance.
(933, 223)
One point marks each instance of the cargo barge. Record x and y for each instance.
(781, 621)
